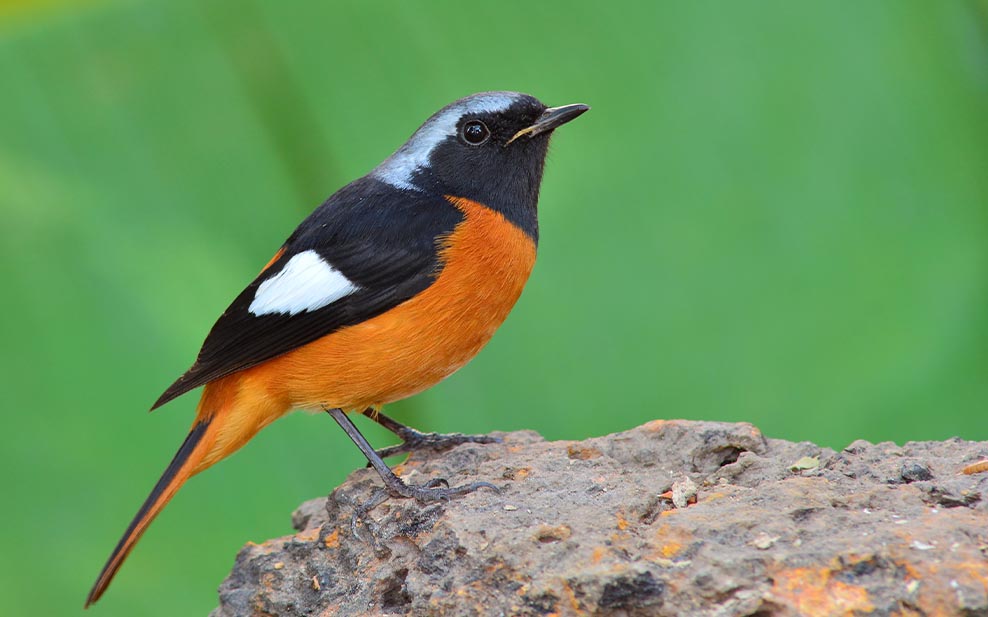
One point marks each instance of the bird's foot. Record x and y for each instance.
(435, 490)
(361, 515)
(413, 440)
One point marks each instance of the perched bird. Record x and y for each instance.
(391, 285)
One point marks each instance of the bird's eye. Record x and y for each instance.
(475, 132)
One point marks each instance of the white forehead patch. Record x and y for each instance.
(398, 169)
(306, 283)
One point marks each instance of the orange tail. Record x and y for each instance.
(179, 470)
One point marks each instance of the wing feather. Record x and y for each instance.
(376, 246)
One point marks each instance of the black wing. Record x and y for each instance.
(383, 239)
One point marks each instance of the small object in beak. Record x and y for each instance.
(550, 119)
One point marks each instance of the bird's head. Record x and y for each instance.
(488, 147)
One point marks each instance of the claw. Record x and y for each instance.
(429, 493)
(435, 490)
(413, 440)
(379, 497)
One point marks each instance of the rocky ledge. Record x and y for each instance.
(670, 518)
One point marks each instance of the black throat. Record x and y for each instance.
(506, 180)
(514, 198)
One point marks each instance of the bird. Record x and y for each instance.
(392, 284)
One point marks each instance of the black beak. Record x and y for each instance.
(552, 118)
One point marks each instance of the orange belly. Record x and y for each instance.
(420, 342)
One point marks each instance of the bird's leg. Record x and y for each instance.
(435, 490)
(412, 439)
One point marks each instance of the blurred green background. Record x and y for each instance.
(776, 212)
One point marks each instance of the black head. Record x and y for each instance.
(488, 147)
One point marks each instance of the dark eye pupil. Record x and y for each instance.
(475, 132)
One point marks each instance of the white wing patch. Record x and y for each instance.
(306, 283)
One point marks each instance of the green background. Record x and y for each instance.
(776, 212)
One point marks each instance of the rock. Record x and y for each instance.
(580, 528)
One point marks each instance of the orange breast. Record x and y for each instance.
(418, 343)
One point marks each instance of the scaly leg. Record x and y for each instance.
(430, 492)
(412, 439)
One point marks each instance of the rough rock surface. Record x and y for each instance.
(777, 528)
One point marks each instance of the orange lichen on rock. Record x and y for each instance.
(672, 540)
(622, 523)
(973, 468)
(516, 474)
(583, 452)
(670, 549)
(547, 534)
(574, 602)
(654, 425)
(813, 592)
(333, 539)
(308, 535)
